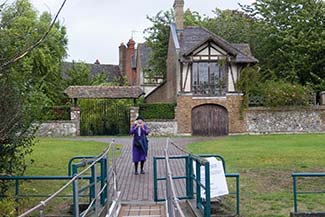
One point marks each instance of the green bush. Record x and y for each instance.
(158, 111)
(279, 93)
(7, 207)
(269, 92)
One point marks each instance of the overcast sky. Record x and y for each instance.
(97, 27)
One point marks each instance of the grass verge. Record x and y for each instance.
(265, 164)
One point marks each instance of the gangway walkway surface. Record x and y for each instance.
(157, 210)
(140, 187)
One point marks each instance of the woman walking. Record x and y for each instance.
(140, 144)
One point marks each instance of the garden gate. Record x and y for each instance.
(104, 109)
(104, 117)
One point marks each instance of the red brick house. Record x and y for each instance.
(202, 71)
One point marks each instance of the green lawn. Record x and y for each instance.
(265, 164)
(50, 156)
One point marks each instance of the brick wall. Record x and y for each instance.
(185, 104)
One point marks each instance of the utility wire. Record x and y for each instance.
(36, 44)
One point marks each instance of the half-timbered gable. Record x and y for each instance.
(202, 72)
(210, 66)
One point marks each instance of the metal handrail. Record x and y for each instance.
(115, 190)
(172, 201)
(42, 204)
(295, 192)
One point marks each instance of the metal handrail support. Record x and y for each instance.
(296, 193)
(77, 158)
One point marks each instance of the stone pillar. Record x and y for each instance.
(322, 98)
(134, 113)
(75, 117)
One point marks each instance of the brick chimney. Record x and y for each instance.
(179, 14)
(130, 52)
(122, 56)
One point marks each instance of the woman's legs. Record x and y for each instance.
(142, 164)
(136, 168)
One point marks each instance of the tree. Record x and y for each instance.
(291, 40)
(79, 74)
(27, 85)
(158, 40)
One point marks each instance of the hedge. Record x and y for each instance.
(158, 111)
(279, 94)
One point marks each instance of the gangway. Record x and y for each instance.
(99, 183)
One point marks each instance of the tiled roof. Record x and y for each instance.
(245, 54)
(113, 71)
(145, 52)
(194, 36)
(104, 92)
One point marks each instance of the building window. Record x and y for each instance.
(209, 78)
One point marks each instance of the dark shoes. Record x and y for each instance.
(142, 172)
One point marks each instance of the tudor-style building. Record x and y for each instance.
(202, 71)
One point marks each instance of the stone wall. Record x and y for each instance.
(232, 102)
(292, 120)
(57, 129)
(61, 128)
(162, 127)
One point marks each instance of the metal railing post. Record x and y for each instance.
(96, 190)
(198, 187)
(237, 195)
(17, 196)
(190, 165)
(187, 171)
(41, 212)
(75, 192)
(103, 178)
(92, 183)
(155, 184)
(207, 210)
(295, 194)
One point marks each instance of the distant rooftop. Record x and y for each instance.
(104, 92)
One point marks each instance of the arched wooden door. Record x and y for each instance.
(209, 120)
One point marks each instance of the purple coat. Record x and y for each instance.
(138, 154)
